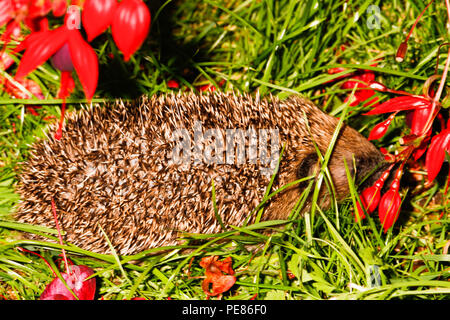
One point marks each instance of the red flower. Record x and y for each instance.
(389, 208)
(13, 12)
(436, 153)
(417, 119)
(40, 46)
(130, 26)
(390, 203)
(362, 82)
(173, 84)
(76, 281)
(380, 129)
(16, 92)
(370, 197)
(97, 16)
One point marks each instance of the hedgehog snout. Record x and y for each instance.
(364, 169)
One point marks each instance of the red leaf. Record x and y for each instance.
(130, 26)
(436, 153)
(83, 289)
(400, 104)
(85, 62)
(214, 276)
(97, 16)
(39, 48)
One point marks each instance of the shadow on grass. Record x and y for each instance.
(163, 55)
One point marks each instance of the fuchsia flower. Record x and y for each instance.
(40, 46)
(436, 153)
(129, 21)
(408, 102)
(380, 129)
(32, 12)
(419, 106)
(390, 203)
(97, 16)
(76, 281)
(362, 82)
(130, 26)
(370, 197)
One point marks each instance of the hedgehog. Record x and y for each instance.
(144, 171)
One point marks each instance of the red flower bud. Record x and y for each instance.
(130, 26)
(370, 197)
(380, 129)
(173, 84)
(390, 203)
(389, 208)
(418, 119)
(378, 86)
(97, 16)
(436, 153)
(401, 52)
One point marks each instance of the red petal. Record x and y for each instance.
(59, 7)
(37, 24)
(220, 284)
(213, 271)
(76, 281)
(400, 104)
(39, 8)
(6, 11)
(368, 76)
(419, 119)
(40, 48)
(371, 197)
(97, 16)
(436, 153)
(85, 62)
(173, 84)
(130, 26)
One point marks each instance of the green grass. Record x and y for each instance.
(277, 47)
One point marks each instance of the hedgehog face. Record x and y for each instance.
(364, 162)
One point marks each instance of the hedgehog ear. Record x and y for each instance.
(308, 166)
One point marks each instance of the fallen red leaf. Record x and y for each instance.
(214, 270)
